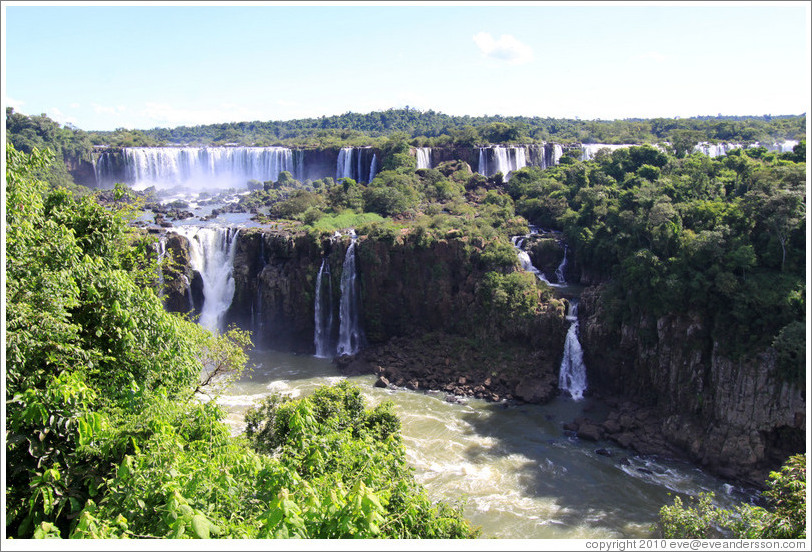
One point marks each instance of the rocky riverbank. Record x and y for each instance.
(460, 367)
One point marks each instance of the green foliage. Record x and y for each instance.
(784, 518)
(352, 466)
(107, 436)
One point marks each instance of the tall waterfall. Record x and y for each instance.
(559, 272)
(257, 320)
(324, 311)
(373, 168)
(212, 167)
(160, 251)
(504, 159)
(211, 254)
(423, 157)
(572, 374)
(558, 152)
(349, 333)
(360, 164)
(524, 259)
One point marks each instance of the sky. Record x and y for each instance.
(101, 67)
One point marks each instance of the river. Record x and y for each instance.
(519, 473)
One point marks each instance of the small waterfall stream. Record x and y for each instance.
(350, 334)
(559, 272)
(323, 311)
(211, 254)
(524, 259)
(572, 374)
(160, 250)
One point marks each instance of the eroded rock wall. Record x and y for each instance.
(737, 417)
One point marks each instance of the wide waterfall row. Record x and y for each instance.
(503, 159)
(572, 374)
(717, 150)
(211, 254)
(360, 164)
(211, 167)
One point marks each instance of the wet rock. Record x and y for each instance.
(603, 452)
(611, 426)
(381, 382)
(589, 432)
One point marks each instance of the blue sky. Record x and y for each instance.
(103, 67)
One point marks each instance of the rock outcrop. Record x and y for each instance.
(738, 418)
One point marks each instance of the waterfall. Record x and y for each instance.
(524, 259)
(104, 169)
(257, 321)
(559, 272)
(423, 157)
(360, 164)
(715, 150)
(373, 168)
(504, 159)
(558, 152)
(349, 332)
(588, 151)
(323, 311)
(572, 374)
(160, 250)
(212, 167)
(211, 253)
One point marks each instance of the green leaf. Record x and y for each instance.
(201, 526)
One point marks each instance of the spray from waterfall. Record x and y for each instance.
(211, 254)
(350, 334)
(572, 374)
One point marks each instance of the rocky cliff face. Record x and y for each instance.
(407, 290)
(738, 418)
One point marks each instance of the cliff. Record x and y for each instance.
(738, 418)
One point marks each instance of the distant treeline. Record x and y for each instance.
(412, 126)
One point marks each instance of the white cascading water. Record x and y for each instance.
(160, 250)
(715, 150)
(323, 311)
(423, 157)
(209, 167)
(211, 254)
(588, 151)
(344, 163)
(558, 152)
(373, 168)
(559, 272)
(349, 330)
(572, 374)
(524, 259)
(352, 163)
(504, 159)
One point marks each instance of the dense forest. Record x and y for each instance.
(98, 409)
(106, 435)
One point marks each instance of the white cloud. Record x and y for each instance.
(16, 104)
(507, 48)
(56, 114)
